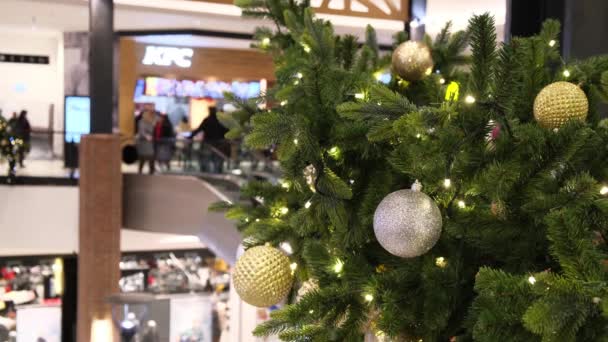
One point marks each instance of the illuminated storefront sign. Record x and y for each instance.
(167, 56)
(156, 86)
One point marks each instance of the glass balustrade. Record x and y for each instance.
(52, 157)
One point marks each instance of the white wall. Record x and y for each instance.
(43, 220)
(38, 220)
(34, 87)
(438, 12)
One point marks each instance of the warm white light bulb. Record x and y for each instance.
(461, 204)
(295, 141)
(284, 210)
(440, 262)
(442, 80)
(552, 43)
(311, 312)
(531, 280)
(447, 183)
(604, 190)
(284, 103)
(266, 41)
(566, 73)
(418, 135)
(285, 184)
(299, 75)
(293, 266)
(306, 47)
(369, 297)
(338, 266)
(286, 247)
(469, 99)
(307, 204)
(360, 96)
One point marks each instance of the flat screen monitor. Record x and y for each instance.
(77, 117)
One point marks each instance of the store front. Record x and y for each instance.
(185, 283)
(183, 75)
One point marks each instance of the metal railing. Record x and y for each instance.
(47, 155)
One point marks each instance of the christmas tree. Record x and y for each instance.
(9, 146)
(502, 236)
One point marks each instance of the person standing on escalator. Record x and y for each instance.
(145, 140)
(164, 140)
(213, 136)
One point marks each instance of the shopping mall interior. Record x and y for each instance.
(310, 170)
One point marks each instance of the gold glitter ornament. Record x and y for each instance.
(558, 103)
(412, 61)
(262, 276)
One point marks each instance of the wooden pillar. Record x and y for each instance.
(99, 246)
(127, 80)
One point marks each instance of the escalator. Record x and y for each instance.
(178, 204)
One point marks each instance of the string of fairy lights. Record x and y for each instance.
(452, 95)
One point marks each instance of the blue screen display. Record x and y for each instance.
(77, 117)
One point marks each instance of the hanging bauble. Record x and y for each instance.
(307, 286)
(407, 223)
(497, 208)
(493, 134)
(371, 332)
(412, 61)
(262, 276)
(558, 103)
(310, 175)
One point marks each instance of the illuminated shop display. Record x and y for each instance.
(156, 86)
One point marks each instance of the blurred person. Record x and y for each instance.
(23, 131)
(12, 122)
(145, 140)
(164, 141)
(213, 135)
(184, 148)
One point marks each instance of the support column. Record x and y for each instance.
(100, 188)
(585, 28)
(100, 224)
(101, 63)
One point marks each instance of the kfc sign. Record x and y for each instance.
(167, 56)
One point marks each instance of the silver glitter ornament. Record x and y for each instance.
(407, 223)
